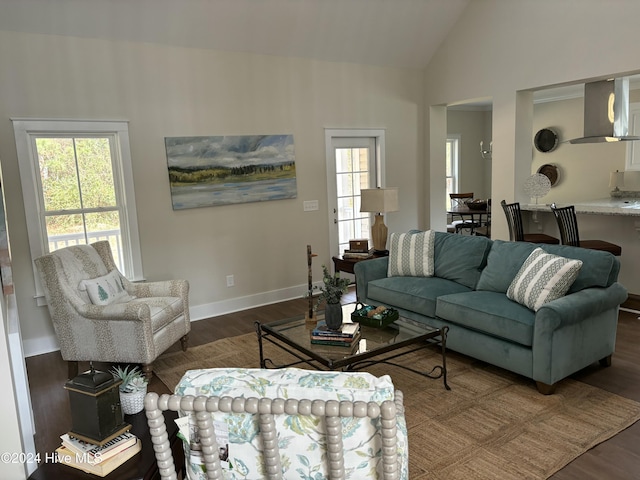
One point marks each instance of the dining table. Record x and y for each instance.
(475, 215)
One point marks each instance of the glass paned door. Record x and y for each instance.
(353, 173)
(355, 161)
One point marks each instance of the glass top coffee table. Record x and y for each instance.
(376, 345)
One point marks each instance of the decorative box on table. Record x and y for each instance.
(374, 316)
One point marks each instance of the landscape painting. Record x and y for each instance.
(223, 170)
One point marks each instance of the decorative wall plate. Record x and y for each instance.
(546, 140)
(551, 172)
(537, 185)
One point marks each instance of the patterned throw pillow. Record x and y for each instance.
(411, 254)
(106, 289)
(542, 278)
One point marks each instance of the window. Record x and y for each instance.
(78, 188)
(452, 161)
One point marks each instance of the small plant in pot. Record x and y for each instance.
(132, 389)
(331, 292)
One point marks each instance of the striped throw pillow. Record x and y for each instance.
(411, 254)
(542, 278)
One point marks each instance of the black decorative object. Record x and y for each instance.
(96, 415)
(333, 316)
(546, 140)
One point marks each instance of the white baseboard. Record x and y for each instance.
(237, 304)
(49, 344)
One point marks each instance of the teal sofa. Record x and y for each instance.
(467, 293)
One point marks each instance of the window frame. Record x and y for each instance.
(455, 140)
(26, 131)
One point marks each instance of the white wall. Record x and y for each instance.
(504, 49)
(165, 91)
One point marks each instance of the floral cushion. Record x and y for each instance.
(300, 438)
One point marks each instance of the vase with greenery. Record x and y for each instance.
(331, 291)
(132, 389)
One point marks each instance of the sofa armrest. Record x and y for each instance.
(571, 309)
(367, 271)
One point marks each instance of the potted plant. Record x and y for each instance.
(333, 287)
(132, 389)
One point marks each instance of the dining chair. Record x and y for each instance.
(568, 226)
(516, 231)
(485, 229)
(459, 200)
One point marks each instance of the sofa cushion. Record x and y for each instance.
(600, 269)
(416, 294)
(411, 254)
(488, 312)
(460, 258)
(543, 278)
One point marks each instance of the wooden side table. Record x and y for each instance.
(346, 264)
(141, 466)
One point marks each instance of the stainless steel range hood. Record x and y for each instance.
(606, 112)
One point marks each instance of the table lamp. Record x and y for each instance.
(379, 201)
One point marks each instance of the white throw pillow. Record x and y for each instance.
(542, 278)
(106, 289)
(411, 254)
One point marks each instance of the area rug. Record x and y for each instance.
(492, 424)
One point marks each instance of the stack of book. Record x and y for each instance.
(97, 459)
(357, 254)
(347, 336)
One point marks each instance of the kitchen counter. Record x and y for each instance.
(603, 206)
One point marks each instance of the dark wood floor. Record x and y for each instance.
(615, 459)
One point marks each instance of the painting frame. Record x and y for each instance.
(207, 171)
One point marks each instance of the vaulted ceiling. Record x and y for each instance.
(396, 33)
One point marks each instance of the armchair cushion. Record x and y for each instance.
(106, 289)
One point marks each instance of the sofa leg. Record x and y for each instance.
(606, 361)
(184, 341)
(147, 369)
(546, 389)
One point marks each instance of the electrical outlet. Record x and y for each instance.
(310, 205)
(230, 281)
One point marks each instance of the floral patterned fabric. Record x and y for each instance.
(301, 438)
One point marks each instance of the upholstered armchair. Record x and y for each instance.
(98, 315)
(286, 423)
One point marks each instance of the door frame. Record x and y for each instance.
(378, 135)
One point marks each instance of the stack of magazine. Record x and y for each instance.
(347, 336)
(98, 459)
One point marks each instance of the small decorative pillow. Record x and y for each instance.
(106, 289)
(542, 278)
(411, 254)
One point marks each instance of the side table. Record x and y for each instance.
(346, 264)
(141, 466)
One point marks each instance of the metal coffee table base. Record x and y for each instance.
(306, 354)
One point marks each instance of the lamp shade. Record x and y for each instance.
(379, 200)
(616, 179)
